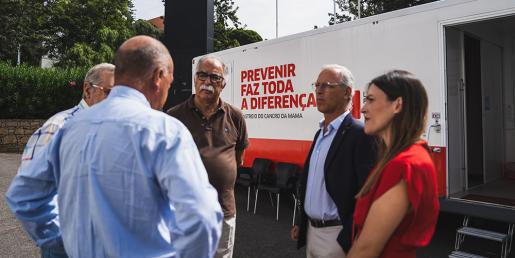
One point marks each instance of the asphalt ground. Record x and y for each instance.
(14, 242)
(257, 236)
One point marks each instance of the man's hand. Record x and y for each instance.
(239, 157)
(294, 234)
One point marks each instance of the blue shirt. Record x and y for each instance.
(41, 137)
(130, 181)
(318, 203)
(47, 234)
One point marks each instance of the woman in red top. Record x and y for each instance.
(397, 208)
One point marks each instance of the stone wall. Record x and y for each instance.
(14, 133)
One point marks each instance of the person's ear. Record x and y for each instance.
(397, 105)
(87, 90)
(348, 93)
(157, 75)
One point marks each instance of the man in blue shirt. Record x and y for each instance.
(97, 83)
(130, 179)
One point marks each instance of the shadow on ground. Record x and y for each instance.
(260, 235)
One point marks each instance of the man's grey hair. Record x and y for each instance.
(94, 75)
(346, 78)
(213, 57)
(345, 74)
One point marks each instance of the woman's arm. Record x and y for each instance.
(385, 214)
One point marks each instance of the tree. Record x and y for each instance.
(225, 13)
(75, 32)
(244, 36)
(86, 32)
(142, 27)
(228, 31)
(225, 16)
(24, 27)
(349, 8)
(89, 31)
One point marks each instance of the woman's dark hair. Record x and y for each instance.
(406, 126)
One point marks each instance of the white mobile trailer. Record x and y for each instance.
(462, 50)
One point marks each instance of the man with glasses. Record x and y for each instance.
(338, 163)
(220, 133)
(97, 83)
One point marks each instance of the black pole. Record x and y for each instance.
(188, 33)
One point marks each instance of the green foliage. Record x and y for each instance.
(349, 8)
(24, 25)
(244, 37)
(142, 27)
(80, 54)
(85, 32)
(228, 32)
(84, 25)
(222, 40)
(225, 16)
(74, 32)
(225, 13)
(31, 92)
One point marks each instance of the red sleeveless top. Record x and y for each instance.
(415, 166)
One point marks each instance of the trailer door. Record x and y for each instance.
(492, 81)
(479, 56)
(456, 176)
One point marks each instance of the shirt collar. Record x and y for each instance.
(83, 104)
(335, 123)
(128, 92)
(191, 104)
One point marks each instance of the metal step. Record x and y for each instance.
(478, 209)
(461, 254)
(482, 233)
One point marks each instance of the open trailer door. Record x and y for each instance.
(479, 66)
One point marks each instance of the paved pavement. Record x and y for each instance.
(14, 242)
(257, 236)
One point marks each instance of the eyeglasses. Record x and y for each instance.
(213, 77)
(326, 85)
(104, 89)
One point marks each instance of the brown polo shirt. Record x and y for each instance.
(217, 138)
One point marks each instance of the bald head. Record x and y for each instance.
(143, 63)
(138, 57)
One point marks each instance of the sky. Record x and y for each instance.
(294, 15)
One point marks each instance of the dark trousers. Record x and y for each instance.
(53, 253)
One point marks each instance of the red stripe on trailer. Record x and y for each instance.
(439, 155)
(292, 151)
(356, 104)
(295, 151)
